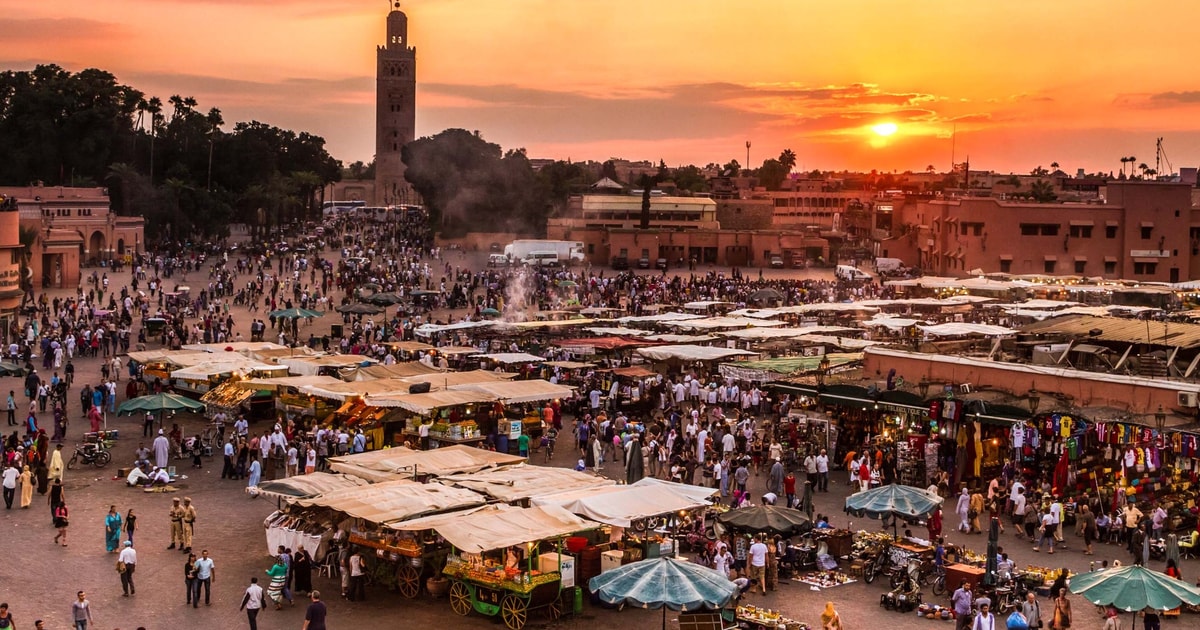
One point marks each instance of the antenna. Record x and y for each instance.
(1160, 158)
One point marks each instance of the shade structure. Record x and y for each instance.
(359, 309)
(765, 295)
(894, 500)
(664, 583)
(1132, 588)
(766, 519)
(490, 312)
(295, 313)
(158, 402)
(386, 299)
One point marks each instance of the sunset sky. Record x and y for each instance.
(687, 81)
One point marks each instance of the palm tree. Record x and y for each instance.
(215, 121)
(788, 159)
(1054, 165)
(154, 106)
(1143, 167)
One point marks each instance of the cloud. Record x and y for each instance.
(38, 30)
(1189, 98)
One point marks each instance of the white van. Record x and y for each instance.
(850, 272)
(497, 260)
(542, 259)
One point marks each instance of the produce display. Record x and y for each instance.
(767, 617)
(826, 579)
(931, 611)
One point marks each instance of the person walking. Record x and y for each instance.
(128, 559)
(1062, 611)
(302, 570)
(357, 578)
(189, 524)
(61, 522)
(314, 617)
(130, 524)
(984, 619)
(206, 574)
(1032, 610)
(758, 563)
(823, 471)
(189, 578)
(112, 530)
(26, 487)
(10, 475)
(55, 498)
(830, 619)
(963, 509)
(961, 601)
(252, 602)
(81, 611)
(278, 575)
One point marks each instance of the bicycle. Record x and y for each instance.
(939, 581)
(548, 446)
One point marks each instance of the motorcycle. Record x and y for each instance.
(94, 454)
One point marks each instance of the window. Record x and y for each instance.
(1110, 267)
(1035, 229)
(1080, 265)
(1050, 229)
(1110, 231)
(1147, 231)
(1005, 266)
(1049, 266)
(591, 248)
(1029, 229)
(971, 229)
(1081, 231)
(1144, 268)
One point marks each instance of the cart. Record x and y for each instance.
(508, 599)
(416, 562)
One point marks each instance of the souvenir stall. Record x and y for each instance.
(518, 408)
(506, 562)
(362, 516)
(752, 617)
(449, 417)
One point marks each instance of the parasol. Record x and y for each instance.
(664, 583)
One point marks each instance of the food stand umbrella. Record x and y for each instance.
(766, 518)
(158, 403)
(1132, 588)
(989, 573)
(385, 299)
(895, 500)
(765, 295)
(359, 309)
(295, 313)
(664, 583)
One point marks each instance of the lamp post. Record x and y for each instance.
(923, 387)
(822, 370)
(1034, 400)
(1160, 420)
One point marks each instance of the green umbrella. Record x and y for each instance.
(295, 313)
(490, 312)
(1132, 588)
(11, 369)
(158, 402)
(664, 583)
(567, 284)
(385, 299)
(359, 309)
(895, 501)
(767, 519)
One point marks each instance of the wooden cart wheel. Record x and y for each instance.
(555, 609)
(408, 580)
(513, 610)
(460, 598)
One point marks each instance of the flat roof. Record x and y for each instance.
(1170, 334)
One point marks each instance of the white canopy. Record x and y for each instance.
(958, 329)
(620, 506)
(289, 381)
(511, 392)
(204, 371)
(497, 526)
(619, 331)
(385, 464)
(893, 323)
(429, 401)
(514, 483)
(357, 389)
(395, 500)
(309, 366)
(691, 353)
(787, 333)
(660, 317)
(429, 330)
(715, 323)
(510, 357)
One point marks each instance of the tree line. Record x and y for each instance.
(172, 162)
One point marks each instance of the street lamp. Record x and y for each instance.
(822, 369)
(1034, 400)
(923, 387)
(1160, 419)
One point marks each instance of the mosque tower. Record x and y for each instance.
(395, 110)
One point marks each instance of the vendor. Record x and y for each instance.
(512, 558)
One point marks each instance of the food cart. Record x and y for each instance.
(507, 561)
(402, 558)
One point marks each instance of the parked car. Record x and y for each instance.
(776, 261)
(644, 262)
(661, 263)
(620, 262)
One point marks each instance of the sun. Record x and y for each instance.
(884, 129)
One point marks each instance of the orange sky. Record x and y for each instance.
(688, 81)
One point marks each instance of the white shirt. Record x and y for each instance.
(758, 555)
(823, 463)
(10, 477)
(356, 565)
(254, 597)
(128, 556)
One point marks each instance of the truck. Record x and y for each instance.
(568, 251)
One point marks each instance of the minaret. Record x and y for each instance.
(395, 110)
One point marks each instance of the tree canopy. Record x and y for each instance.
(169, 162)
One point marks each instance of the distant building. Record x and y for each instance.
(395, 110)
(71, 228)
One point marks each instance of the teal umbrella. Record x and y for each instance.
(895, 501)
(385, 299)
(490, 312)
(359, 309)
(295, 313)
(1132, 588)
(159, 403)
(664, 583)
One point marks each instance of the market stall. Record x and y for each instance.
(234, 400)
(520, 483)
(400, 462)
(506, 561)
(436, 419)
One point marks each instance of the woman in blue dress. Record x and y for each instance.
(112, 530)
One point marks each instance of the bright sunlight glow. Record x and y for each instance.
(884, 129)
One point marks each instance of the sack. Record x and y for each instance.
(120, 567)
